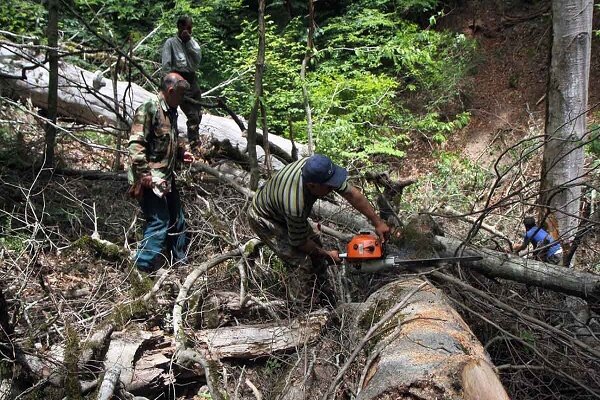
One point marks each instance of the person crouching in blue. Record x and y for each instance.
(545, 247)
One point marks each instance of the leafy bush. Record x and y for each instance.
(23, 17)
(456, 181)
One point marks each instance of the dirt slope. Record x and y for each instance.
(505, 95)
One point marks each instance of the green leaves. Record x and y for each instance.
(375, 78)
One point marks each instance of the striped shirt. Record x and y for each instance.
(284, 199)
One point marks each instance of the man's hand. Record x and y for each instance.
(334, 256)
(146, 181)
(185, 36)
(188, 157)
(382, 230)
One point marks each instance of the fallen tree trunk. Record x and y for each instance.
(427, 351)
(248, 342)
(80, 98)
(411, 344)
(531, 272)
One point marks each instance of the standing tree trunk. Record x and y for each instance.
(305, 61)
(258, 93)
(566, 104)
(52, 34)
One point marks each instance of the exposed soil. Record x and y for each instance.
(506, 92)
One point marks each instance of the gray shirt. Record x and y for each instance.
(181, 57)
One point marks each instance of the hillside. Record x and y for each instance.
(505, 94)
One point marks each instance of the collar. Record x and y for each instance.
(165, 107)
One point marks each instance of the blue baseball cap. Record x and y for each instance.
(320, 169)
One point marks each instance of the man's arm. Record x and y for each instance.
(137, 143)
(361, 204)
(311, 248)
(520, 246)
(299, 232)
(194, 52)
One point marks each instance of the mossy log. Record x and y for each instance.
(424, 351)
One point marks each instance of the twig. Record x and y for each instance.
(559, 333)
(254, 389)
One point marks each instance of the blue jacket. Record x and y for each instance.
(540, 238)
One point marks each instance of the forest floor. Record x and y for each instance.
(503, 95)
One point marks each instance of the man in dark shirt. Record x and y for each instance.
(182, 54)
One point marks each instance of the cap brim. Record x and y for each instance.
(338, 177)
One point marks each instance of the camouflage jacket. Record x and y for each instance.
(153, 141)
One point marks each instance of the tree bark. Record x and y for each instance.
(51, 112)
(566, 108)
(530, 272)
(305, 61)
(258, 97)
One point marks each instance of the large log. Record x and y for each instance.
(429, 351)
(409, 343)
(80, 100)
(530, 272)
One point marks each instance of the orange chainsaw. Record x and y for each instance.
(366, 253)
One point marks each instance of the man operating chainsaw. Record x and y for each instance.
(281, 207)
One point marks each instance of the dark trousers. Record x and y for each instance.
(164, 230)
(191, 109)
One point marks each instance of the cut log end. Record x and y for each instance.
(480, 382)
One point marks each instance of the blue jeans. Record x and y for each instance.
(165, 229)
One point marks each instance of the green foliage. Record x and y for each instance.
(376, 77)
(23, 17)
(10, 238)
(457, 181)
(594, 145)
(281, 80)
(273, 366)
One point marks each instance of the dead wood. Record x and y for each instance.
(191, 279)
(79, 100)
(220, 307)
(95, 348)
(427, 346)
(248, 342)
(121, 354)
(185, 355)
(530, 272)
(566, 338)
(109, 383)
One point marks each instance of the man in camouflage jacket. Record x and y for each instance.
(182, 54)
(155, 153)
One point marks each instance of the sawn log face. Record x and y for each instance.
(429, 346)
